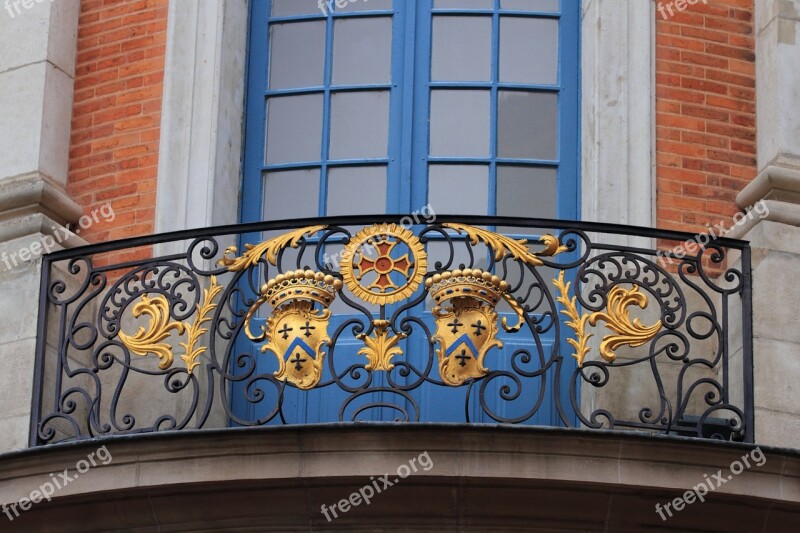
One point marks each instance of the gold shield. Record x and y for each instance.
(297, 333)
(466, 322)
(297, 330)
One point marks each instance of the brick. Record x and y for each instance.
(117, 116)
(705, 150)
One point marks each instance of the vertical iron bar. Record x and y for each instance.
(41, 343)
(747, 345)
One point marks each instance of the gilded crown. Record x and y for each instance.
(305, 285)
(473, 283)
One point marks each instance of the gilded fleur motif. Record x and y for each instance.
(151, 339)
(380, 347)
(627, 331)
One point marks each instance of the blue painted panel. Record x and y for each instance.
(407, 182)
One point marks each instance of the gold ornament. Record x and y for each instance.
(271, 247)
(297, 330)
(466, 331)
(150, 339)
(370, 253)
(576, 321)
(500, 244)
(627, 331)
(617, 319)
(380, 348)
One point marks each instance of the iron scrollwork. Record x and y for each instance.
(508, 324)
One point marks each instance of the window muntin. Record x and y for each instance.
(411, 89)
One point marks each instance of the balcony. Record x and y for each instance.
(394, 319)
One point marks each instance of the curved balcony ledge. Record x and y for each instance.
(479, 477)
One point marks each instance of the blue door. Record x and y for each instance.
(465, 106)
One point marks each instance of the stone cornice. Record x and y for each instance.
(33, 193)
(778, 181)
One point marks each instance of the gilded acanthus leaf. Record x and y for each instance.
(618, 319)
(196, 330)
(501, 244)
(150, 339)
(576, 321)
(552, 246)
(270, 248)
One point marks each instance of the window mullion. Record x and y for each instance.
(418, 88)
(326, 117)
(493, 110)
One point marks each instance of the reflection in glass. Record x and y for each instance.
(291, 194)
(362, 51)
(356, 190)
(297, 54)
(462, 48)
(294, 128)
(288, 8)
(359, 124)
(459, 189)
(463, 4)
(527, 125)
(530, 5)
(459, 123)
(528, 50)
(526, 192)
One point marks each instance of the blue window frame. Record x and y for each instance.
(530, 116)
(479, 96)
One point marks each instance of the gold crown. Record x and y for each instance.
(301, 285)
(474, 283)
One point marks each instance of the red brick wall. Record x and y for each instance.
(117, 114)
(705, 77)
(705, 116)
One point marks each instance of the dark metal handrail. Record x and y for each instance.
(364, 319)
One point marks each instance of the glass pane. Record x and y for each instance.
(291, 194)
(356, 190)
(294, 128)
(362, 5)
(362, 51)
(527, 125)
(526, 192)
(459, 189)
(287, 8)
(462, 48)
(359, 124)
(297, 56)
(460, 123)
(528, 50)
(463, 4)
(530, 5)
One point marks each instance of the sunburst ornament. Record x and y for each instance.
(383, 264)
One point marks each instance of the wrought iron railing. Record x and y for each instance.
(458, 319)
